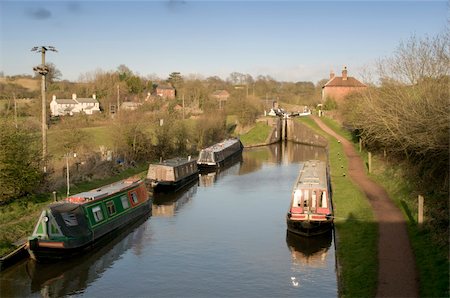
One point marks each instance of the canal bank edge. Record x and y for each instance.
(397, 272)
(355, 237)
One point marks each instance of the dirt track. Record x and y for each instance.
(397, 275)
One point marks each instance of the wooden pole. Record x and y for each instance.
(370, 162)
(420, 210)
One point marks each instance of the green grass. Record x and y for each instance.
(357, 232)
(17, 219)
(429, 249)
(257, 135)
(431, 252)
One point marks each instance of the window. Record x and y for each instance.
(306, 199)
(134, 197)
(98, 214)
(125, 203)
(324, 200)
(314, 199)
(111, 207)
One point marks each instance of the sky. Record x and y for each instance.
(287, 40)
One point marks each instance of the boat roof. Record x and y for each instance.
(107, 190)
(174, 162)
(313, 174)
(220, 146)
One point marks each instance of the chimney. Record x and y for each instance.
(74, 96)
(331, 75)
(94, 96)
(54, 97)
(344, 73)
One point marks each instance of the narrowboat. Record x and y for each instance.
(74, 225)
(311, 210)
(172, 174)
(217, 155)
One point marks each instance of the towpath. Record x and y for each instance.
(397, 274)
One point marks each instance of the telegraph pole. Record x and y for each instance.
(43, 71)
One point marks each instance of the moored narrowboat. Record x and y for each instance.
(311, 210)
(218, 155)
(172, 174)
(74, 225)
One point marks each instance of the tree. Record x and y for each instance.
(54, 74)
(20, 158)
(124, 72)
(176, 80)
(408, 115)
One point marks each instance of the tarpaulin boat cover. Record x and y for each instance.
(71, 219)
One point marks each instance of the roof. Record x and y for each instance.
(221, 93)
(66, 101)
(165, 87)
(87, 100)
(340, 82)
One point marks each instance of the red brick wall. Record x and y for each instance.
(339, 93)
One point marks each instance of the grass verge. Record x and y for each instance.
(430, 247)
(356, 230)
(256, 135)
(18, 218)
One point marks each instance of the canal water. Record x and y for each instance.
(224, 236)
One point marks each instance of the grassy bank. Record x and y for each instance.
(257, 135)
(355, 226)
(430, 247)
(18, 218)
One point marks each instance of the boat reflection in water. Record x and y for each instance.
(72, 276)
(168, 204)
(309, 251)
(208, 178)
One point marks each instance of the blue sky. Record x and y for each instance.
(288, 40)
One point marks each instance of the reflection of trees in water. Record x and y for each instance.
(167, 204)
(73, 275)
(309, 251)
(286, 152)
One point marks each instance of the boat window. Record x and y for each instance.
(324, 200)
(297, 198)
(314, 199)
(98, 214)
(134, 197)
(306, 198)
(125, 203)
(111, 207)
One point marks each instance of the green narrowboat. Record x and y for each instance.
(74, 225)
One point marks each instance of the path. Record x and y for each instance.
(397, 275)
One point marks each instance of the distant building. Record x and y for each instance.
(339, 87)
(221, 96)
(130, 105)
(167, 92)
(63, 106)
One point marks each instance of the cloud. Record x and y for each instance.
(40, 13)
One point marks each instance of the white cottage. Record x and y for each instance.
(60, 107)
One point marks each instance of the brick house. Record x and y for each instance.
(338, 88)
(167, 92)
(70, 106)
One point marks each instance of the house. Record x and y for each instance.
(338, 88)
(167, 92)
(63, 106)
(130, 105)
(221, 96)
